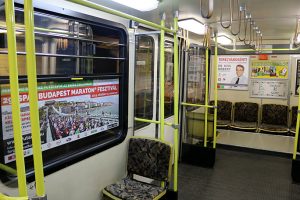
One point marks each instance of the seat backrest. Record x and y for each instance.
(149, 158)
(224, 110)
(294, 116)
(246, 112)
(196, 124)
(274, 114)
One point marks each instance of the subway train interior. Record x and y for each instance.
(149, 99)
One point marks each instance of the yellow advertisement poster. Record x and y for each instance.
(270, 69)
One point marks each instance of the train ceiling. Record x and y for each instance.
(275, 18)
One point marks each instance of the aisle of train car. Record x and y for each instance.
(239, 175)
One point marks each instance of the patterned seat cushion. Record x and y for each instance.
(246, 112)
(273, 128)
(224, 110)
(246, 125)
(149, 158)
(274, 114)
(129, 189)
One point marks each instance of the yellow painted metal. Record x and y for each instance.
(76, 79)
(168, 123)
(196, 105)
(206, 96)
(162, 80)
(8, 169)
(4, 197)
(146, 120)
(297, 132)
(14, 88)
(33, 100)
(176, 103)
(215, 92)
(120, 14)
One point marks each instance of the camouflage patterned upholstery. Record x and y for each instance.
(134, 190)
(148, 158)
(274, 118)
(294, 120)
(224, 112)
(245, 115)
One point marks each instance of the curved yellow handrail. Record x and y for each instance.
(4, 197)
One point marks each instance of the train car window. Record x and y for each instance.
(144, 79)
(77, 118)
(66, 46)
(169, 79)
(195, 77)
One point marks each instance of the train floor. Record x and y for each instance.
(239, 176)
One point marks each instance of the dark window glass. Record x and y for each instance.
(169, 79)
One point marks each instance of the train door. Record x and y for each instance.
(193, 115)
(146, 93)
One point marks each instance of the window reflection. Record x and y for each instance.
(144, 79)
(169, 79)
(196, 76)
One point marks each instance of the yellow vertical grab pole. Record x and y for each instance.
(176, 101)
(14, 89)
(33, 98)
(297, 131)
(206, 96)
(215, 91)
(162, 79)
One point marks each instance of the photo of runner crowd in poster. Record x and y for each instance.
(233, 72)
(269, 69)
(68, 111)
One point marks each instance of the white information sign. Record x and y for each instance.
(269, 88)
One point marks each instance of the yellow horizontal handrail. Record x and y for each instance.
(146, 120)
(196, 105)
(253, 50)
(4, 197)
(8, 169)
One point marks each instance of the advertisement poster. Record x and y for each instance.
(233, 72)
(68, 111)
(270, 69)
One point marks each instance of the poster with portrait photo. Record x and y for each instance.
(233, 72)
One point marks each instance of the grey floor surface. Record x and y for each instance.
(239, 176)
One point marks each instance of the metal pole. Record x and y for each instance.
(33, 100)
(14, 89)
(206, 96)
(215, 92)
(162, 79)
(176, 101)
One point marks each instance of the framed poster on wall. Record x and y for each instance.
(267, 88)
(268, 69)
(233, 72)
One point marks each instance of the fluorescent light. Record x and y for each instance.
(141, 5)
(223, 39)
(192, 25)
